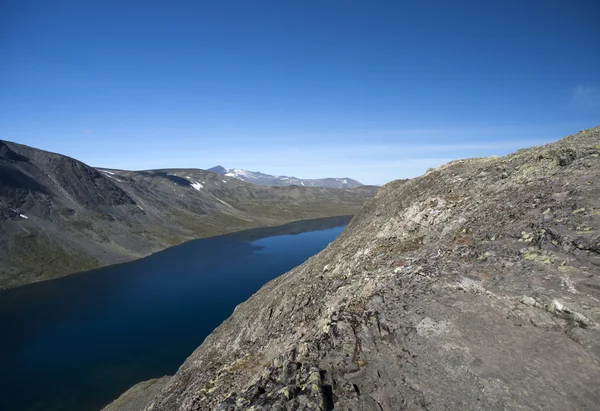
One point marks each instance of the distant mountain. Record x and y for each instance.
(263, 179)
(219, 170)
(59, 215)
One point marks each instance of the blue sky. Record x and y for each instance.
(366, 89)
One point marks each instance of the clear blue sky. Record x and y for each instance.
(367, 89)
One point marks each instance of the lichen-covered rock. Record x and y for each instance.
(473, 287)
(137, 397)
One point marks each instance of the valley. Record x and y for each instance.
(59, 216)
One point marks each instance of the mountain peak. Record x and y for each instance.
(218, 169)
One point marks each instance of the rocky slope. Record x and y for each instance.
(257, 177)
(136, 397)
(59, 216)
(475, 286)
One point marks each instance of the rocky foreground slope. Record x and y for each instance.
(59, 216)
(473, 287)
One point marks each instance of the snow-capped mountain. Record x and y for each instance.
(257, 177)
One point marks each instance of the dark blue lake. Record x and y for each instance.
(78, 342)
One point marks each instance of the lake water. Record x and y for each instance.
(78, 342)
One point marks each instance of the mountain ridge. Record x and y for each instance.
(257, 177)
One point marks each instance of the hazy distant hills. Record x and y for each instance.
(257, 177)
(59, 215)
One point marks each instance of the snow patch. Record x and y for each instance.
(108, 172)
(241, 174)
(23, 216)
(245, 173)
(197, 186)
(113, 178)
(224, 181)
(222, 202)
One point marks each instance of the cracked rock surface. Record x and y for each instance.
(473, 287)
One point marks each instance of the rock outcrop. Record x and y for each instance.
(59, 216)
(135, 398)
(473, 287)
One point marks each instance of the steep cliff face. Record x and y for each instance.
(59, 215)
(475, 286)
